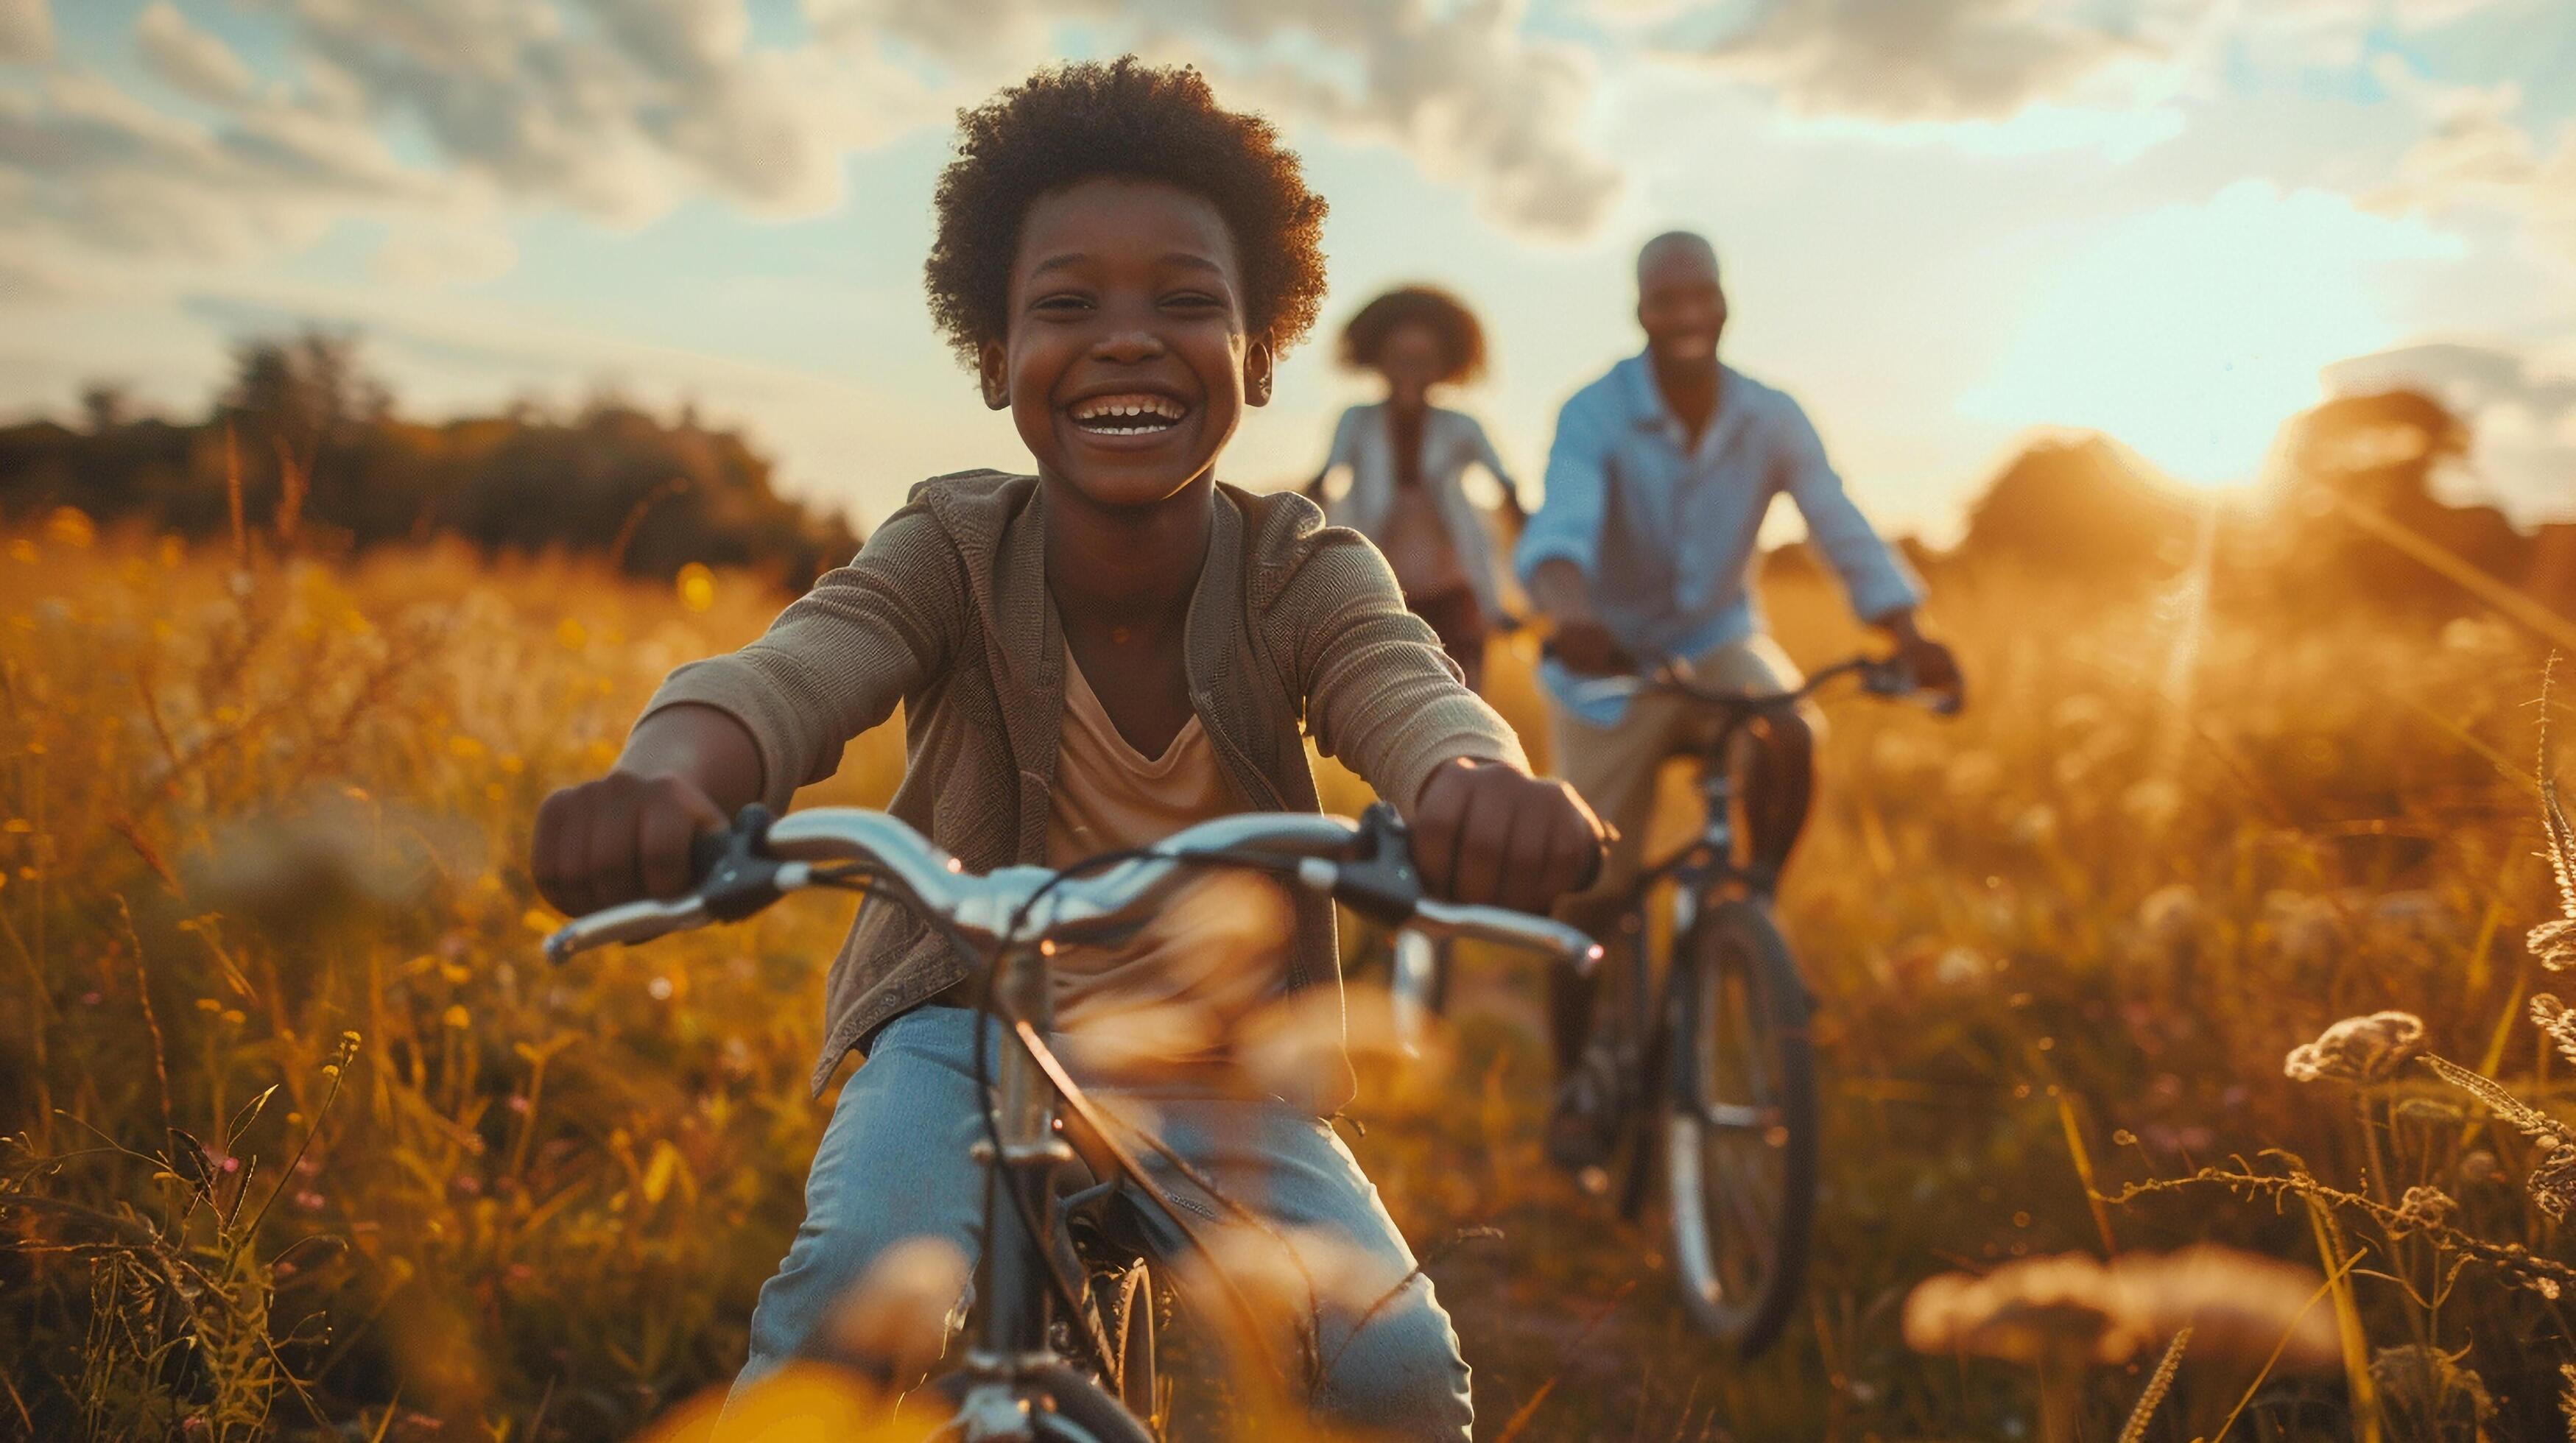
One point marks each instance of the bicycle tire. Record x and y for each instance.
(1126, 1302)
(1065, 1406)
(1740, 1114)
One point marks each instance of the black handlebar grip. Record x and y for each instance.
(706, 852)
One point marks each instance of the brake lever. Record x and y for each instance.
(735, 878)
(1380, 882)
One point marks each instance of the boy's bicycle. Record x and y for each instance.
(1716, 1076)
(1064, 1344)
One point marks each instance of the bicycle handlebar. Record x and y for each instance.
(1879, 676)
(1366, 864)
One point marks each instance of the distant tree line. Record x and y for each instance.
(305, 445)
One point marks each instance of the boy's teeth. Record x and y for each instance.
(1149, 413)
(1150, 406)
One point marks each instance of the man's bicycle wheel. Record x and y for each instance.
(1740, 1130)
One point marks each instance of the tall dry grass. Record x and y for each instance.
(250, 808)
(249, 805)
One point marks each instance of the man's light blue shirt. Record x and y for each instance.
(1665, 533)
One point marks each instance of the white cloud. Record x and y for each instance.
(618, 117)
(1906, 59)
(618, 108)
(617, 111)
(2042, 127)
(432, 251)
(95, 180)
(1460, 86)
(676, 37)
(26, 31)
(2477, 154)
(1462, 90)
(2472, 145)
(189, 60)
(1897, 61)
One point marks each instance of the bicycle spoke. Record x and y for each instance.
(1744, 1265)
(1756, 1221)
(1768, 1190)
(1722, 1092)
(1748, 1042)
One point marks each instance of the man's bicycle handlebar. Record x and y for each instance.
(1887, 676)
(1367, 865)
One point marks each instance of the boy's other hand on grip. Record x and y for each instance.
(1488, 832)
(619, 838)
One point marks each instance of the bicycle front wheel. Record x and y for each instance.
(1050, 1404)
(1740, 1126)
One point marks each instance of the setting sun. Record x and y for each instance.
(2190, 332)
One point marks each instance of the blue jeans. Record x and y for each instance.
(894, 1164)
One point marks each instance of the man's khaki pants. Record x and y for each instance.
(1614, 767)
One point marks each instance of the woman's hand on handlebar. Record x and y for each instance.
(1928, 663)
(1488, 832)
(617, 839)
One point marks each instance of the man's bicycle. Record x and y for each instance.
(1716, 1075)
(1063, 1342)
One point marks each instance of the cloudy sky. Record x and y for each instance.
(1944, 222)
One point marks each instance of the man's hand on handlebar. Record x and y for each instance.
(1577, 640)
(1487, 832)
(617, 839)
(1587, 648)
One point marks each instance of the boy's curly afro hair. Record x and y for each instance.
(1120, 118)
(1462, 340)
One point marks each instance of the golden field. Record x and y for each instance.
(262, 825)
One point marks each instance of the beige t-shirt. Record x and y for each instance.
(1171, 994)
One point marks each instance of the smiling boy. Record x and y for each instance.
(1091, 658)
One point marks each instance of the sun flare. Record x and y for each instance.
(2190, 332)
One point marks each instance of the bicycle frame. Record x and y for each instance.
(1019, 1318)
(1697, 869)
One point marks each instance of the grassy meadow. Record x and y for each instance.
(306, 1140)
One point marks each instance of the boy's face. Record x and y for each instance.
(1126, 367)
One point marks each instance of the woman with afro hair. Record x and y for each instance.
(1089, 659)
(1405, 457)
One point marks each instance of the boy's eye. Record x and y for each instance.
(1061, 302)
(1192, 300)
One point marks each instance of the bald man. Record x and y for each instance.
(1642, 552)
